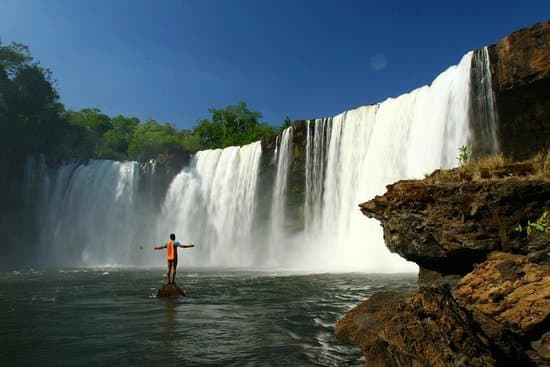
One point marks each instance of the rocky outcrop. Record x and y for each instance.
(484, 282)
(424, 329)
(520, 68)
(171, 291)
(508, 296)
(450, 226)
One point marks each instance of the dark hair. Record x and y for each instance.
(172, 236)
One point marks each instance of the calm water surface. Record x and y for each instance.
(103, 317)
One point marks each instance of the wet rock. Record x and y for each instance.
(171, 291)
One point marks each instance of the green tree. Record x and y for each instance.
(115, 141)
(286, 123)
(13, 57)
(152, 139)
(91, 119)
(232, 125)
(29, 104)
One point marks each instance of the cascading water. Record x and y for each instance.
(213, 203)
(317, 133)
(279, 198)
(351, 157)
(483, 115)
(102, 212)
(89, 214)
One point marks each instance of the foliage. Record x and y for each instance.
(13, 56)
(151, 139)
(33, 121)
(232, 125)
(30, 120)
(542, 224)
(286, 123)
(465, 153)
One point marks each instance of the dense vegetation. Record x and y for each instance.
(32, 120)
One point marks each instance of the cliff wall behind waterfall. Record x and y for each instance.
(520, 69)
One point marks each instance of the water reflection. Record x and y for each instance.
(168, 330)
(168, 326)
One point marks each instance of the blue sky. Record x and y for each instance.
(173, 60)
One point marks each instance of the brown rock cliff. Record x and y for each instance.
(520, 68)
(484, 295)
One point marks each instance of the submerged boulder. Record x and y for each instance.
(171, 291)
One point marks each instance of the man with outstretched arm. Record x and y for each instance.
(172, 256)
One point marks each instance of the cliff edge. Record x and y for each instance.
(481, 236)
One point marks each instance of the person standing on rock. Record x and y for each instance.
(172, 256)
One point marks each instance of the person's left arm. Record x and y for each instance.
(185, 245)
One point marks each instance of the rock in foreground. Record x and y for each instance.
(484, 281)
(423, 329)
(171, 291)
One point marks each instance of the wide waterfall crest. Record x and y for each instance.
(246, 209)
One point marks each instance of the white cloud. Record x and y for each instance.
(378, 62)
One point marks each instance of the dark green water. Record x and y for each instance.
(105, 317)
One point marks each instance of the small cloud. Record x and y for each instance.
(378, 62)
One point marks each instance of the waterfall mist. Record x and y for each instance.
(88, 214)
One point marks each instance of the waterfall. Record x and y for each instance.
(317, 132)
(305, 214)
(90, 214)
(212, 204)
(483, 115)
(353, 156)
(283, 152)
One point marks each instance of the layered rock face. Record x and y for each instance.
(484, 284)
(520, 69)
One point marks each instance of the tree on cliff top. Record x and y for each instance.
(32, 121)
(232, 125)
(29, 104)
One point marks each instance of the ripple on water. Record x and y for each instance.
(230, 318)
